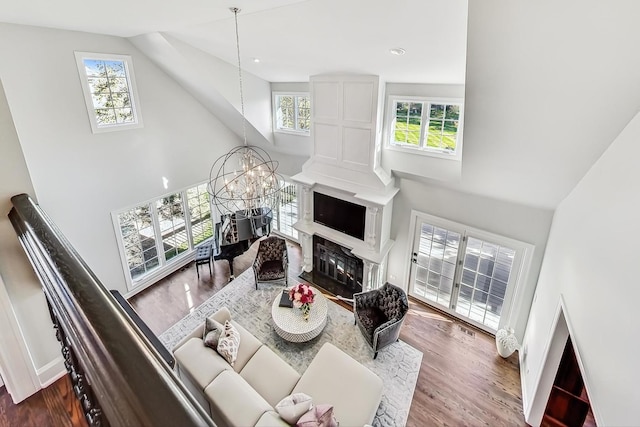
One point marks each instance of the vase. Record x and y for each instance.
(506, 342)
(305, 309)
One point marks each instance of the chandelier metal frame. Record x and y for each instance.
(244, 180)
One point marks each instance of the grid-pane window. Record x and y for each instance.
(425, 125)
(485, 275)
(287, 213)
(153, 235)
(109, 91)
(172, 225)
(292, 113)
(435, 263)
(200, 213)
(468, 273)
(139, 240)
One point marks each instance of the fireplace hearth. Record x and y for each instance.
(335, 268)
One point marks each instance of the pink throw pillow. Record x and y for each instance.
(318, 416)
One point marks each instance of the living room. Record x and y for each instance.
(76, 175)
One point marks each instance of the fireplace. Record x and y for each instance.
(344, 196)
(335, 268)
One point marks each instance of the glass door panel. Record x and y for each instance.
(460, 273)
(486, 270)
(433, 266)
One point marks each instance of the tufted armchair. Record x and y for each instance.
(379, 315)
(271, 263)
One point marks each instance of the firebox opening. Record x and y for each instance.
(335, 269)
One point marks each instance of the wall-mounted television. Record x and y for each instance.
(343, 216)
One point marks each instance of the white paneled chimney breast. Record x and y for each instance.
(346, 123)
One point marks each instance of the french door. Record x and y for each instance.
(468, 273)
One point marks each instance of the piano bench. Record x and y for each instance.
(203, 256)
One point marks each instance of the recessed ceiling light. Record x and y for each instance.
(256, 60)
(397, 51)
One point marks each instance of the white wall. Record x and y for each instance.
(592, 261)
(519, 222)
(80, 177)
(549, 86)
(26, 332)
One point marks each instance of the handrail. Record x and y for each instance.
(118, 376)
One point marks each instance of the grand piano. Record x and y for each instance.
(236, 231)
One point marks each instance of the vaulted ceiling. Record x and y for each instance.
(549, 84)
(293, 39)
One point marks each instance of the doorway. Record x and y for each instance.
(468, 273)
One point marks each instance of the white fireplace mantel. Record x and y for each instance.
(346, 124)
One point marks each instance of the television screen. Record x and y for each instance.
(340, 215)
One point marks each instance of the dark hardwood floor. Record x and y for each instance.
(462, 381)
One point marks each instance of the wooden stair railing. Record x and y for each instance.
(117, 374)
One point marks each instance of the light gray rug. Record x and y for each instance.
(398, 365)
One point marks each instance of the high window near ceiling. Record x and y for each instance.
(110, 94)
(428, 126)
(292, 112)
(469, 273)
(156, 234)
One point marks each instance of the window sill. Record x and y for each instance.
(445, 155)
(292, 132)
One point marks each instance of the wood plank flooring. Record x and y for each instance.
(54, 406)
(462, 381)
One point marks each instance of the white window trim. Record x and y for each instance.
(443, 154)
(131, 80)
(274, 108)
(514, 298)
(164, 267)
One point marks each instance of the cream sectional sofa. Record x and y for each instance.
(247, 393)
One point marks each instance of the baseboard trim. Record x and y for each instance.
(51, 372)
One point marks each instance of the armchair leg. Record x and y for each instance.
(375, 355)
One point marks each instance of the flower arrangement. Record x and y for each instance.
(302, 296)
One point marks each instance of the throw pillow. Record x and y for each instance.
(292, 407)
(318, 416)
(212, 332)
(229, 343)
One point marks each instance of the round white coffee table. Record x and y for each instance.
(289, 324)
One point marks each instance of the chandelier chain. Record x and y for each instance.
(244, 120)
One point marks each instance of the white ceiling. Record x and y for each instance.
(292, 38)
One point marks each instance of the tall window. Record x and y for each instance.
(153, 235)
(469, 273)
(429, 126)
(138, 235)
(287, 212)
(292, 112)
(108, 86)
(200, 213)
(171, 222)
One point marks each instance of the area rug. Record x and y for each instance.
(397, 365)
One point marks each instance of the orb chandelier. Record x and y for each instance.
(244, 180)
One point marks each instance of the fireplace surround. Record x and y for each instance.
(346, 118)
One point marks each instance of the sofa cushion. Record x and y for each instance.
(269, 375)
(248, 347)
(335, 378)
(234, 402)
(271, 419)
(202, 363)
(229, 343)
(248, 343)
(292, 407)
(318, 416)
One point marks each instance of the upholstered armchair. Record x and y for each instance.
(379, 314)
(271, 261)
